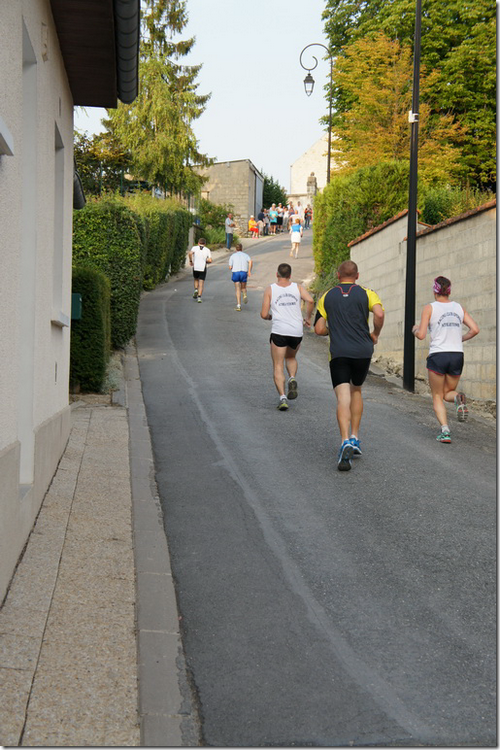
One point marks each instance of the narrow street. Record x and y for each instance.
(318, 607)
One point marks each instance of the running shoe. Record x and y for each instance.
(356, 445)
(444, 437)
(245, 297)
(292, 389)
(283, 404)
(198, 299)
(238, 308)
(195, 294)
(462, 410)
(345, 454)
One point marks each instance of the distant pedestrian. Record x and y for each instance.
(343, 314)
(273, 218)
(199, 256)
(260, 222)
(279, 223)
(307, 216)
(253, 227)
(300, 212)
(229, 226)
(282, 304)
(241, 267)
(267, 223)
(443, 318)
(295, 236)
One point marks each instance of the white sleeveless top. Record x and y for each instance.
(285, 309)
(445, 327)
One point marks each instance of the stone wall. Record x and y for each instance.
(238, 183)
(463, 249)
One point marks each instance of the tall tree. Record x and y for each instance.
(374, 74)
(156, 129)
(101, 163)
(273, 192)
(458, 41)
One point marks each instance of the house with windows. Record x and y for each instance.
(54, 54)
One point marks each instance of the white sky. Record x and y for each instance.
(250, 53)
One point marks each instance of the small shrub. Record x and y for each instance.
(90, 336)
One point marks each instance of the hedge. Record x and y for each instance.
(91, 336)
(351, 205)
(106, 236)
(165, 236)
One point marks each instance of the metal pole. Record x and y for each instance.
(329, 124)
(409, 339)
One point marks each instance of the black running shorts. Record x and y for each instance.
(200, 274)
(291, 341)
(446, 363)
(349, 370)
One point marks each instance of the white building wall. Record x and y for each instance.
(35, 219)
(312, 160)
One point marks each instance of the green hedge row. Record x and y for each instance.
(165, 237)
(135, 242)
(90, 336)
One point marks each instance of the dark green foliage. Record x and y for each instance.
(106, 237)
(441, 203)
(165, 233)
(90, 336)
(213, 214)
(273, 192)
(351, 205)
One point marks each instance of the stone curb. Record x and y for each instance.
(165, 720)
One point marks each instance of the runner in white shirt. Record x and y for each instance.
(282, 304)
(241, 266)
(199, 256)
(443, 319)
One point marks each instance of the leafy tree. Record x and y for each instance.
(273, 192)
(156, 129)
(101, 163)
(375, 74)
(458, 42)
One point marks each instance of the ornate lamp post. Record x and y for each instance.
(309, 87)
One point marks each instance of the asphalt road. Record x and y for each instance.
(318, 607)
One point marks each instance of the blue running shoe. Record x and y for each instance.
(356, 446)
(345, 454)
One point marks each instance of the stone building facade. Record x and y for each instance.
(463, 249)
(309, 169)
(238, 183)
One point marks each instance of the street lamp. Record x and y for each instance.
(309, 86)
(411, 242)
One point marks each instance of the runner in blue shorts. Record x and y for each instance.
(444, 318)
(240, 265)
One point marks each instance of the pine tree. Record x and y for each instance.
(156, 129)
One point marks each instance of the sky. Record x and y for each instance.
(250, 53)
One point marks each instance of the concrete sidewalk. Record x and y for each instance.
(90, 649)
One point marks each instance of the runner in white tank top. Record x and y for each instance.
(282, 304)
(444, 319)
(286, 310)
